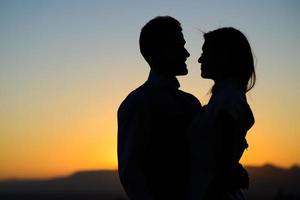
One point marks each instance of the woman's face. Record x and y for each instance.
(212, 62)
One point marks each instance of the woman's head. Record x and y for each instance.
(227, 54)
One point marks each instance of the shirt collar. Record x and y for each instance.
(163, 81)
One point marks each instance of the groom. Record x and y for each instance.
(153, 119)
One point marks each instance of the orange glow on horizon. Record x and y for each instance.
(85, 138)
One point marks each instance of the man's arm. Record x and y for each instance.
(203, 162)
(133, 126)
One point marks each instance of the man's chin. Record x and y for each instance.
(182, 72)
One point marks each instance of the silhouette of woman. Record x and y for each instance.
(217, 134)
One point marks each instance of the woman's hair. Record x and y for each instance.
(238, 51)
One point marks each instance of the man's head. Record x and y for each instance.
(162, 46)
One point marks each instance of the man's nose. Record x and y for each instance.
(187, 53)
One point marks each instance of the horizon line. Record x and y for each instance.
(47, 178)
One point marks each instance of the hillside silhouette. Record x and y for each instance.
(88, 185)
(270, 182)
(267, 182)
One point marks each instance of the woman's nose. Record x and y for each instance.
(200, 59)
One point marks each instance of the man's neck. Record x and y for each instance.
(162, 79)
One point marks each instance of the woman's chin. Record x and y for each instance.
(204, 75)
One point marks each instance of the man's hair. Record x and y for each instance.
(155, 33)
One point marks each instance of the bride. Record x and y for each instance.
(217, 134)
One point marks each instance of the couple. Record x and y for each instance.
(169, 146)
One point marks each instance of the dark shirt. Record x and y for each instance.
(152, 141)
(217, 142)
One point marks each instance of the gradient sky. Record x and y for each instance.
(65, 66)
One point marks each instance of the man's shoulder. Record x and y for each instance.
(136, 99)
(189, 95)
(191, 98)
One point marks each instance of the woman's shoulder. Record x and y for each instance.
(229, 95)
(233, 102)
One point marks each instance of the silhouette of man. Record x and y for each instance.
(153, 119)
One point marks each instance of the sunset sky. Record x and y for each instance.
(66, 65)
